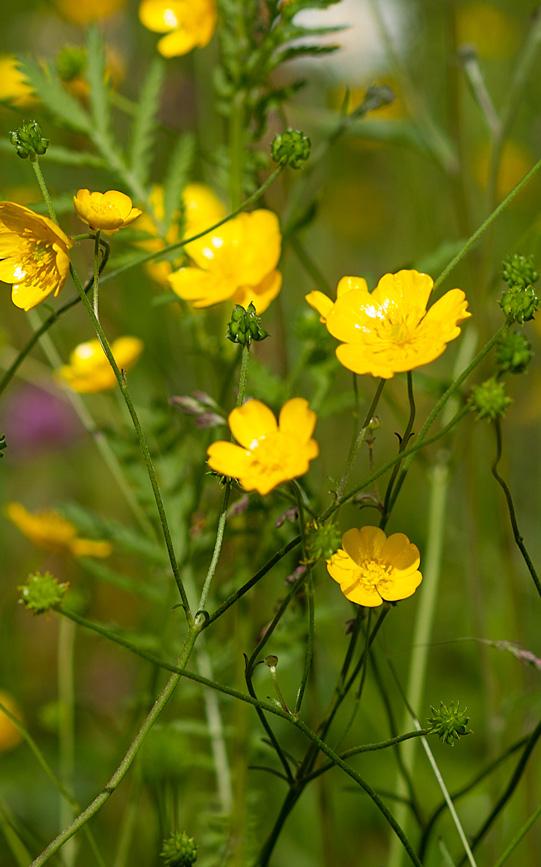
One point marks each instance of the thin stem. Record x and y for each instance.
(125, 764)
(142, 441)
(478, 87)
(390, 494)
(368, 748)
(95, 288)
(357, 441)
(309, 596)
(511, 508)
(243, 374)
(215, 554)
(43, 187)
(66, 702)
(310, 265)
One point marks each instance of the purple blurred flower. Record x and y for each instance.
(37, 420)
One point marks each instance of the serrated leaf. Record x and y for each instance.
(96, 77)
(144, 125)
(176, 177)
(129, 540)
(101, 572)
(49, 89)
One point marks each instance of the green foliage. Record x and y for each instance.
(144, 124)
(176, 176)
(96, 76)
(49, 89)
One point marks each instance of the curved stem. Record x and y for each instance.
(357, 441)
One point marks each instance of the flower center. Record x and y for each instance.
(271, 454)
(373, 571)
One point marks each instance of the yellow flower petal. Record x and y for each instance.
(363, 544)
(320, 302)
(201, 288)
(91, 548)
(250, 422)
(347, 284)
(126, 351)
(400, 588)
(262, 294)
(297, 419)
(229, 459)
(400, 552)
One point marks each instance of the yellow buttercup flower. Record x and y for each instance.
(269, 452)
(201, 209)
(372, 568)
(50, 530)
(389, 330)
(236, 262)
(89, 371)
(187, 24)
(33, 255)
(13, 84)
(10, 735)
(108, 211)
(84, 12)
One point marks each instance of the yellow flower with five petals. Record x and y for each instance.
(187, 24)
(89, 371)
(372, 568)
(108, 211)
(50, 530)
(33, 255)
(270, 452)
(235, 262)
(390, 330)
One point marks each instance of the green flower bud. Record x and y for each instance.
(519, 271)
(28, 140)
(449, 723)
(42, 592)
(179, 850)
(245, 326)
(519, 303)
(323, 541)
(71, 62)
(489, 400)
(513, 352)
(290, 148)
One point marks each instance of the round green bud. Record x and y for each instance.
(489, 400)
(290, 148)
(513, 352)
(322, 542)
(519, 271)
(179, 850)
(71, 62)
(28, 140)
(519, 303)
(42, 592)
(245, 326)
(449, 723)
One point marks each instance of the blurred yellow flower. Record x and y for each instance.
(187, 24)
(109, 211)
(50, 530)
(33, 255)
(492, 32)
(10, 735)
(13, 86)
(269, 452)
(389, 330)
(515, 162)
(372, 567)
(89, 371)
(236, 262)
(201, 209)
(84, 12)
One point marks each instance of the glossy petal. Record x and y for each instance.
(262, 294)
(229, 459)
(402, 554)
(250, 422)
(347, 284)
(404, 290)
(321, 303)
(400, 588)
(297, 419)
(444, 316)
(160, 16)
(201, 288)
(26, 295)
(177, 43)
(363, 544)
(126, 351)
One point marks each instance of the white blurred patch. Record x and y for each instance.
(362, 51)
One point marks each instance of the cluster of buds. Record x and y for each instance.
(513, 352)
(489, 400)
(449, 723)
(519, 301)
(290, 148)
(204, 410)
(322, 542)
(29, 141)
(179, 850)
(42, 592)
(245, 326)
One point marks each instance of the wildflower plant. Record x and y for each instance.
(265, 536)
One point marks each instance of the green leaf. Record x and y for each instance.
(101, 572)
(144, 126)
(96, 76)
(49, 89)
(176, 176)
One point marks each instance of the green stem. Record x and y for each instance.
(309, 595)
(392, 491)
(95, 287)
(66, 703)
(368, 748)
(215, 556)
(13, 840)
(236, 149)
(142, 441)
(125, 764)
(243, 374)
(357, 441)
(310, 265)
(43, 187)
(511, 508)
